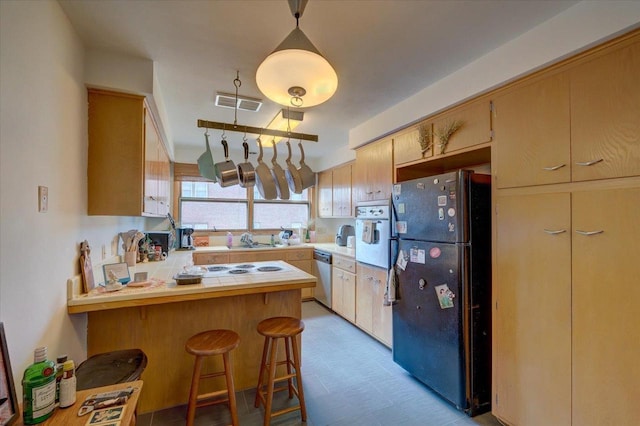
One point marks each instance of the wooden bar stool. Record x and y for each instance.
(208, 343)
(273, 329)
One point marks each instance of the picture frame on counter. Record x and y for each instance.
(121, 271)
(9, 411)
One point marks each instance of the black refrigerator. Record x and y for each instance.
(442, 313)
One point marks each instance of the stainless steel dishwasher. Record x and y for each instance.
(322, 265)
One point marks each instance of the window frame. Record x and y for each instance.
(250, 201)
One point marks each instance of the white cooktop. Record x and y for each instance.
(243, 269)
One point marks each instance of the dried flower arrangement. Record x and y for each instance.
(445, 132)
(425, 138)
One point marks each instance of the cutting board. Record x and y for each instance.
(86, 268)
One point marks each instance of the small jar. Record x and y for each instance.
(68, 385)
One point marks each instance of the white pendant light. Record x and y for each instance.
(295, 73)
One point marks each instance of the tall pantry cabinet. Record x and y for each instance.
(566, 253)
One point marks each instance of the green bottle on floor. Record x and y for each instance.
(39, 388)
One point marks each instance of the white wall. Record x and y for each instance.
(579, 27)
(43, 141)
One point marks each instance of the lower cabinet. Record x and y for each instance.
(343, 287)
(566, 343)
(371, 314)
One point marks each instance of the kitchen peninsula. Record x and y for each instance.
(160, 318)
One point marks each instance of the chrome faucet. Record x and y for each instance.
(247, 238)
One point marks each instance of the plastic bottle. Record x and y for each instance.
(68, 385)
(273, 240)
(59, 362)
(39, 388)
(229, 239)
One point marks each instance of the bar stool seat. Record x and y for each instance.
(272, 329)
(209, 343)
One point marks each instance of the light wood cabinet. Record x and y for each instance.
(325, 193)
(343, 287)
(334, 192)
(605, 115)
(558, 327)
(128, 169)
(407, 148)
(371, 313)
(209, 258)
(579, 124)
(373, 171)
(533, 132)
(475, 120)
(605, 301)
(342, 191)
(532, 313)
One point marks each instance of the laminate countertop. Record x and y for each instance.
(162, 287)
(330, 247)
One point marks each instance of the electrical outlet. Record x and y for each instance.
(43, 199)
(104, 251)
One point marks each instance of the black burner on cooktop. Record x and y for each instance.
(217, 268)
(238, 271)
(245, 266)
(269, 268)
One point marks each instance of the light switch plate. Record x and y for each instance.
(43, 199)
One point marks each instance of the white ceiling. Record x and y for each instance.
(383, 52)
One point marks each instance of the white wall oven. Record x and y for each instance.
(373, 230)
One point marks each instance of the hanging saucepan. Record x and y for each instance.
(264, 180)
(282, 187)
(246, 172)
(293, 174)
(306, 174)
(206, 165)
(226, 170)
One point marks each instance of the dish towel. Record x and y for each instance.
(367, 231)
(390, 289)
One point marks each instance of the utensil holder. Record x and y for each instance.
(130, 258)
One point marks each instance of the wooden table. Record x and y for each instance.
(69, 416)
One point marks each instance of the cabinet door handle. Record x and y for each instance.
(589, 233)
(589, 163)
(553, 168)
(552, 232)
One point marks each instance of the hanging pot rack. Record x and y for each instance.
(232, 127)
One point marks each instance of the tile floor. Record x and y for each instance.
(349, 379)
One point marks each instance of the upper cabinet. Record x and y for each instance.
(373, 174)
(413, 145)
(575, 125)
(334, 192)
(462, 127)
(605, 116)
(459, 137)
(532, 125)
(128, 167)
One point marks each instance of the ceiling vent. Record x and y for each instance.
(226, 100)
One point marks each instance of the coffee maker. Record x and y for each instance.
(185, 238)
